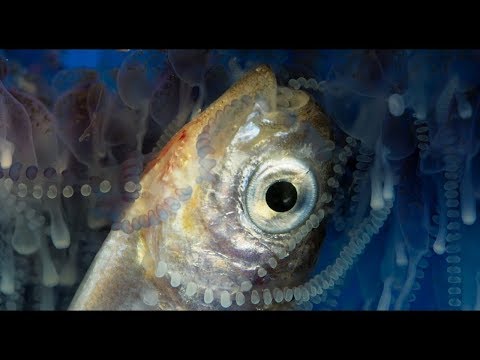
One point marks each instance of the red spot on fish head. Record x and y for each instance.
(178, 138)
(183, 135)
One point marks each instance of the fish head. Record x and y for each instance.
(230, 213)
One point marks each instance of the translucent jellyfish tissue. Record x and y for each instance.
(239, 179)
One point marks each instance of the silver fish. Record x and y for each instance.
(231, 212)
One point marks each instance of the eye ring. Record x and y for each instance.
(273, 176)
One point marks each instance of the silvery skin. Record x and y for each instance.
(203, 234)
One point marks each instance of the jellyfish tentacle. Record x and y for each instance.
(411, 206)
(24, 241)
(16, 140)
(360, 196)
(449, 155)
(409, 281)
(423, 265)
(47, 149)
(48, 154)
(99, 107)
(60, 233)
(340, 159)
(358, 238)
(28, 222)
(19, 270)
(472, 148)
(442, 109)
(439, 245)
(52, 204)
(422, 132)
(388, 270)
(186, 111)
(48, 270)
(377, 174)
(69, 273)
(386, 298)
(452, 235)
(448, 232)
(467, 197)
(131, 170)
(6, 147)
(398, 268)
(464, 108)
(7, 282)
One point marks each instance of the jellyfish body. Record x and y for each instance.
(16, 141)
(136, 79)
(42, 152)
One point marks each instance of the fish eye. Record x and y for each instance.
(281, 195)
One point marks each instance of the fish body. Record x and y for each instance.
(231, 212)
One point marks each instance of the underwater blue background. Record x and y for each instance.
(438, 90)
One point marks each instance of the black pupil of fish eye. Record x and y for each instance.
(281, 196)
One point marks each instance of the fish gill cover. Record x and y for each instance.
(239, 179)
